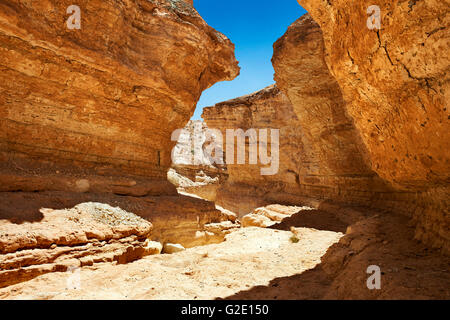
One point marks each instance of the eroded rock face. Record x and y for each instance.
(175, 219)
(319, 149)
(119, 229)
(266, 109)
(189, 149)
(189, 155)
(194, 170)
(108, 96)
(86, 115)
(327, 156)
(271, 215)
(87, 234)
(333, 156)
(395, 82)
(322, 155)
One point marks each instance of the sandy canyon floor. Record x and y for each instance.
(249, 257)
(309, 255)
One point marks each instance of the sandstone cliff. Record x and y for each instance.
(395, 82)
(321, 153)
(86, 121)
(87, 114)
(327, 156)
(108, 96)
(268, 108)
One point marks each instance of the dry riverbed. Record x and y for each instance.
(249, 257)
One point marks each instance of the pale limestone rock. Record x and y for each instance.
(170, 248)
(178, 180)
(256, 220)
(272, 215)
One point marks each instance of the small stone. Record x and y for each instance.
(170, 248)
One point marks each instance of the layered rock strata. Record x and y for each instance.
(195, 170)
(93, 232)
(105, 97)
(266, 109)
(87, 114)
(333, 159)
(88, 234)
(175, 219)
(319, 151)
(395, 82)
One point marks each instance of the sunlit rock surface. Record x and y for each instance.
(395, 82)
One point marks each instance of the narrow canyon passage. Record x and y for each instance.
(249, 257)
(267, 263)
(331, 182)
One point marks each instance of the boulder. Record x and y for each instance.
(170, 248)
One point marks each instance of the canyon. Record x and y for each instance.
(87, 117)
(92, 176)
(396, 87)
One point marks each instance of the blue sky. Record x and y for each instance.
(253, 26)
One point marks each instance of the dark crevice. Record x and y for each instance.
(388, 56)
(351, 58)
(384, 47)
(411, 5)
(429, 34)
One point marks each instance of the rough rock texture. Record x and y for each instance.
(250, 257)
(385, 240)
(334, 162)
(193, 171)
(268, 108)
(320, 153)
(88, 114)
(325, 153)
(87, 234)
(170, 248)
(409, 270)
(255, 220)
(395, 82)
(271, 215)
(97, 232)
(291, 260)
(191, 142)
(108, 96)
(203, 186)
(175, 219)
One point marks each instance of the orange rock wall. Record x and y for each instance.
(337, 138)
(109, 95)
(321, 154)
(87, 115)
(395, 82)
